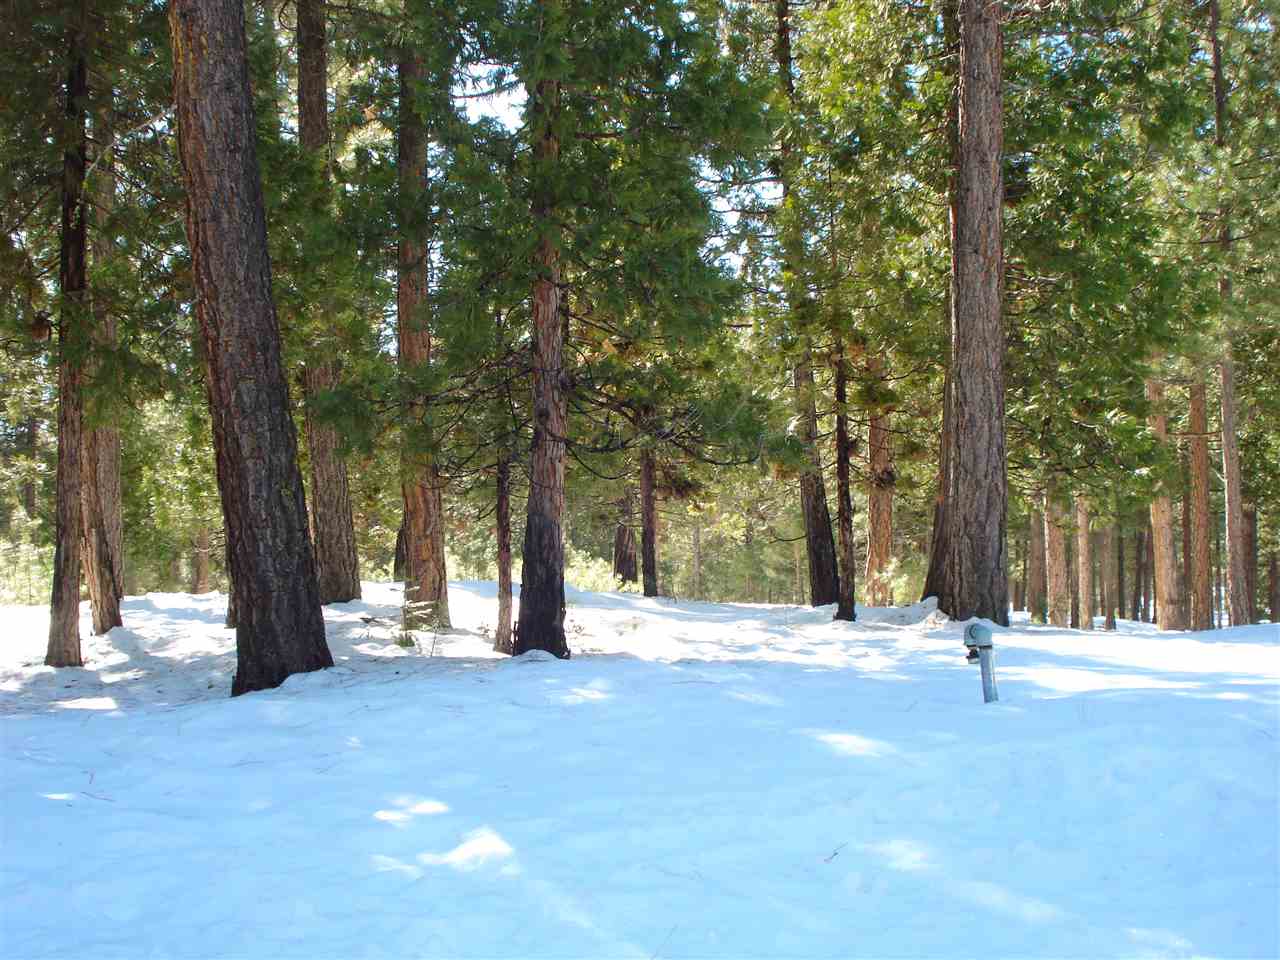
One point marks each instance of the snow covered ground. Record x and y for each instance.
(700, 780)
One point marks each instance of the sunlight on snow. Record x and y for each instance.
(479, 847)
(88, 703)
(853, 745)
(409, 807)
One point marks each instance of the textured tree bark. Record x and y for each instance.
(426, 588)
(1184, 583)
(1117, 558)
(280, 629)
(880, 487)
(1217, 579)
(1149, 581)
(974, 578)
(502, 633)
(846, 608)
(1199, 586)
(1167, 607)
(64, 612)
(1237, 579)
(233, 616)
(1037, 597)
(1084, 563)
(200, 562)
(824, 573)
(337, 566)
(648, 523)
(1108, 590)
(1057, 576)
(935, 576)
(541, 622)
(624, 541)
(102, 438)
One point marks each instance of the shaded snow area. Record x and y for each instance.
(700, 780)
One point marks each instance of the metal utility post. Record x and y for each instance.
(978, 639)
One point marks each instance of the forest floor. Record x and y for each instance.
(700, 780)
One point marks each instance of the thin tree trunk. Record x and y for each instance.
(400, 559)
(1120, 594)
(1237, 602)
(280, 628)
(697, 559)
(1138, 608)
(426, 590)
(624, 540)
(200, 562)
(1149, 581)
(337, 565)
(64, 614)
(880, 488)
(1167, 607)
(1199, 585)
(1251, 561)
(1218, 609)
(1073, 563)
(974, 577)
(1236, 576)
(648, 523)
(1037, 599)
(846, 607)
(541, 623)
(1084, 563)
(502, 634)
(1184, 585)
(1057, 575)
(1108, 588)
(1273, 585)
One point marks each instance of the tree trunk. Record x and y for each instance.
(1084, 563)
(697, 559)
(880, 487)
(1273, 585)
(1149, 580)
(400, 560)
(1199, 586)
(1057, 576)
(648, 523)
(1037, 599)
(502, 633)
(1251, 561)
(200, 562)
(1167, 607)
(280, 627)
(541, 624)
(974, 578)
(935, 577)
(1108, 591)
(846, 607)
(824, 574)
(426, 589)
(1218, 611)
(337, 566)
(233, 616)
(1118, 600)
(64, 613)
(1237, 579)
(624, 540)
(102, 437)
(1138, 607)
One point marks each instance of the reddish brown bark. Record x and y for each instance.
(541, 621)
(1168, 610)
(64, 614)
(426, 592)
(1237, 599)
(1037, 588)
(846, 608)
(1057, 576)
(974, 581)
(624, 541)
(1199, 584)
(1084, 563)
(280, 630)
(880, 486)
(1108, 588)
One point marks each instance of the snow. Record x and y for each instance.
(709, 780)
